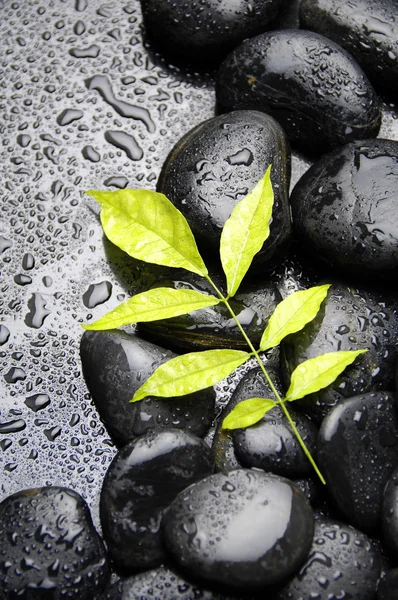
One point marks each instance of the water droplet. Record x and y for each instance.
(4, 244)
(15, 374)
(52, 433)
(118, 182)
(37, 311)
(97, 293)
(243, 157)
(125, 142)
(4, 334)
(80, 5)
(37, 401)
(22, 279)
(89, 52)
(12, 426)
(28, 261)
(90, 153)
(69, 115)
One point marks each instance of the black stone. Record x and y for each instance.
(207, 29)
(165, 583)
(213, 327)
(271, 444)
(357, 453)
(309, 84)
(388, 586)
(142, 480)
(367, 29)
(216, 164)
(246, 529)
(49, 547)
(115, 365)
(345, 209)
(389, 517)
(349, 319)
(342, 563)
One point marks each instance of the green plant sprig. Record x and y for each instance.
(149, 227)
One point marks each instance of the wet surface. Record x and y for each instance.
(83, 105)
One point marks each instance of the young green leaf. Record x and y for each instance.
(158, 303)
(319, 372)
(247, 413)
(292, 314)
(245, 232)
(191, 372)
(147, 226)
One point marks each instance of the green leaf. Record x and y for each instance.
(317, 373)
(245, 232)
(292, 314)
(158, 303)
(247, 413)
(149, 227)
(191, 372)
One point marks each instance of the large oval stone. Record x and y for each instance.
(49, 547)
(115, 365)
(367, 29)
(357, 453)
(309, 84)
(206, 29)
(142, 480)
(345, 209)
(246, 529)
(349, 319)
(220, 161)
(342, 563)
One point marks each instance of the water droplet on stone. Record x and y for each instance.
(97, 293)
(69, 115)
(37, 401)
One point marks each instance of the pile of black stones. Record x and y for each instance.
(189, 510)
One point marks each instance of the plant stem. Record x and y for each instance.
(280, 401)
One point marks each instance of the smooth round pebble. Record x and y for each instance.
(115, 364)
(246, 529)
(389, 516)
(345, 209)
(342, 564)
(357, 453)
(216, 164)
(142, 480)
(207, 29)
(367, 29)
(309, 84)
(49, 547)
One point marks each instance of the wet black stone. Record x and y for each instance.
(216, 164)
(252, 385)
(345, 209)
(357, 453)
(246, 529)
(49, 547)
(207, 29)
(349, 319)
(271, 444)
(165, 583)
(213, 327)
(388, 586)
(367, 29)
(143, 479)
(342, 563)
(389, 517)
(115, 365)
(309, 84)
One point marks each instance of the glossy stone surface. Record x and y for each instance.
(216, 164)
(357, 453)
(207, 29)
(165, 583)
(389, 517)
(388, 586)
(115, 365)
(270, 444)
(50, 548)
(309, 84)
(367, 29)
(246, 529)
(213, 327)
(345, 209)
(142, 480)
(349, 319)
(342, 563)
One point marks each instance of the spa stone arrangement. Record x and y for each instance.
(106, 499)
